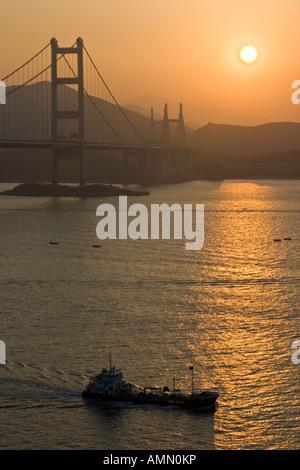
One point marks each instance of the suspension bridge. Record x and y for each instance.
(58, 100)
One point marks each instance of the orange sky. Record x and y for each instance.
(182, 50)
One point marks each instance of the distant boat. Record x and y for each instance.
(287, 238)
(96, 246)
(53, 243)
(277, 239)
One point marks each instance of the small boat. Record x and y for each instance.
(287, 238)
(277, 239)
(53, 243)
(109, 386)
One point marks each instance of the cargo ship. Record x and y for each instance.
(110, 386)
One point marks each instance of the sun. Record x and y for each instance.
(248, 54)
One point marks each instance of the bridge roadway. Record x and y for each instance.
(66, 145)
(71, 145)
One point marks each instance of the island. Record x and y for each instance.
(90, 190)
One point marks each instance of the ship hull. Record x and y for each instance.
(186, 402)
(191, 403)
(104, 396)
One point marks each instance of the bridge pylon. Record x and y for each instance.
(165, 135)
(166, 138)
(180, 133)
(77, 114)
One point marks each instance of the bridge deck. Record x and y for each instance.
(69, 145)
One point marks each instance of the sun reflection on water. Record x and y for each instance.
(239, 332)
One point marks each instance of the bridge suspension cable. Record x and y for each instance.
(93, 102)
(26, 63)
(12, 90)
(26, 115)
(141, 139)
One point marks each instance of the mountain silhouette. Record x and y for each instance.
(247, 141)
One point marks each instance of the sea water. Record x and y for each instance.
(230, 309)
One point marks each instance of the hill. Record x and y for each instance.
(247, 141)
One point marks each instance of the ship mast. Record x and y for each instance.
(192, 369)
(110, 359)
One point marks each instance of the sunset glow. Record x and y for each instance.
(175, 51)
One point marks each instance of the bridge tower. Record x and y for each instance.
(165, 135)
(67, 114)
(179, 136)
(152, 128)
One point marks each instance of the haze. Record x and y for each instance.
(183, 51)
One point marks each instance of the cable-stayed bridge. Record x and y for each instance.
(58, 100)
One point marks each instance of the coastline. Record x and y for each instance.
(92, 190)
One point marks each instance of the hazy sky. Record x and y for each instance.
(184, 50)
